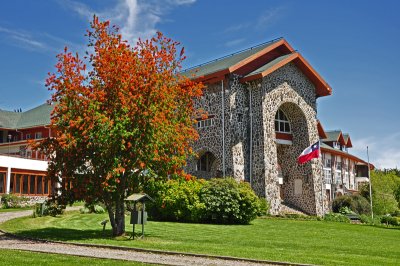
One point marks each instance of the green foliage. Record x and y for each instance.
(389, 220)
(52, 208)
(353, 203)
(367, 219)
(13, 201)
(91, 208)
(385, 186)
(229, 202)
(336, 217)
(345, 210)
(175, 200)
(213, 201)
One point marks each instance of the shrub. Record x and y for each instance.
(13, 201)
(360, 204)
(355, 203)
(389, 220)
(336, 217)
(52, 208)
(213, 201)
(175, 200)
(91, 208)
(227, 201)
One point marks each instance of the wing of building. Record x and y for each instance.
(23, 171)
(262, 113)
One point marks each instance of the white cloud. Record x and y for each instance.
(23, 39)
(270, 17)
(234, 42)
(136, 18)
(266, 19)
(384, 152)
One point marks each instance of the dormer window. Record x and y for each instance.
(282, 124)
(336, 145)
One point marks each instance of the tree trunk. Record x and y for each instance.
(117, 217)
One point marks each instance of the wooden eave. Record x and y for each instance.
(322, 88)
(321, 131)
(250, 63)
(257, 60)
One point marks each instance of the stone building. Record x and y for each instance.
(261, 106)
(262, 112)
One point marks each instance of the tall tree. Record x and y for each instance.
(130, 112)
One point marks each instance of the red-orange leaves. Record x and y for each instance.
(127, 114)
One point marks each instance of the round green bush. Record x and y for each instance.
(213, 201)
(229, 202)
(175, 200)
(355, 203)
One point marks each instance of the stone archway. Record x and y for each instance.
(301, 183)
(295, 188)
(206, 165)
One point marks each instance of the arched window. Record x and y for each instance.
(282, 124)
(204, 163)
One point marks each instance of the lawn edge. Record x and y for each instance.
(156, 251)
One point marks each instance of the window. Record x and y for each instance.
(336, 145)
(338, 165)
(327, 176)
(32, 184)
(208, 122)
(205, 162)
(338, 178)
(25, 185)
(240, 118)
(39, 185)
(281, 122)
(18, 183)
(38, 135)
(2, 181)
(28, 136)
(328, 163)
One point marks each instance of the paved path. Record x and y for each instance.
(9, 242)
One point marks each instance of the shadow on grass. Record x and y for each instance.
(65, 234)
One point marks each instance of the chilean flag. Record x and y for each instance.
(309, 153)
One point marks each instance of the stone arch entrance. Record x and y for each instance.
(294, 188)
(301, 184)
(206, 165)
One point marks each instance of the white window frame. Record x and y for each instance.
(281, 119)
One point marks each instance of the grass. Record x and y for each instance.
(16, 209)
(23, 258)
(316, 242)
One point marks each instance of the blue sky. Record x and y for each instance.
(354, 45)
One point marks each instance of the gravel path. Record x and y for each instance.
(8, 242)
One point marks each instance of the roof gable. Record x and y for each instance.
(257, 62)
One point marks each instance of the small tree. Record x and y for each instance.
(384, 189)
(131, 112)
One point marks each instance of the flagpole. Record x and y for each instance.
(370, 188)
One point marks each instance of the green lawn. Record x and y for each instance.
(16, 209)
(315, 242)
(23, 258)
